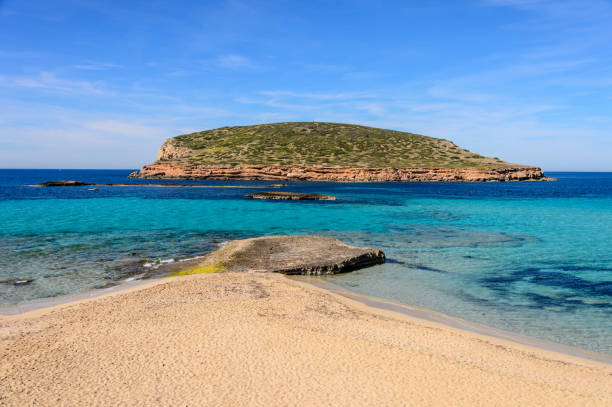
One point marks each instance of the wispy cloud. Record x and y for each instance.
(565, 14)
(318, 96)
(315, 103)
(493, 85)
(96, 66)
(235, 61)
(538, 70)
(558, 8)
(43, 134)
(50, 82)
(278, 103)
(458, 89)
(20, 54)
(326, 67)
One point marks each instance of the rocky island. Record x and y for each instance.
(311, 151)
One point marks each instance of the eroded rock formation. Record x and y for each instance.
(169, 170)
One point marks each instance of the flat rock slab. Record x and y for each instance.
(305, 255)
(290, 196)
(17, 281)
(166, 185)
(61, 184)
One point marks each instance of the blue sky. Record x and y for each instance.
(91, 84)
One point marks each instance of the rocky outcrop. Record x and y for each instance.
(169, 170)
(164, 185)
(17, 281)
(169, 151)
(61, 184)
(290, 196)
(305, 255)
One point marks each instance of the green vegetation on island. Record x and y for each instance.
(320, 144)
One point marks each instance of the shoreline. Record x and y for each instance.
(49, 303)
(264, 339)
(456, 322)
(44, 305)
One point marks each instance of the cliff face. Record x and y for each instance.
(171, 170)
(169, 151)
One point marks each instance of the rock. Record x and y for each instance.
(106, 285)
(17, 282)
(293, 196)
(165, 185)
(169, 151)
(306, 255)
(62, 184)
(169, 170)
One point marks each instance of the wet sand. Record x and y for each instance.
(263, 339)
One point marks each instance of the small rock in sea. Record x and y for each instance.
(62, 184)
(106, 285)
(17, 281)
(290, 196)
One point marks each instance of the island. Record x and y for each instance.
(316, 151)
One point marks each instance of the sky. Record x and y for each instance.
(92, 84)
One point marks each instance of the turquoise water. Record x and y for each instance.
(533, 258)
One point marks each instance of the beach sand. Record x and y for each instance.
(263, 339)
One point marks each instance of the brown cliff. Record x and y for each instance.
(167, 170)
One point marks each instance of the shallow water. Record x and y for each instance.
(533, 258)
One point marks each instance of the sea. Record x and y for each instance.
(533, 258)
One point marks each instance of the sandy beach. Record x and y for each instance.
(263, 339)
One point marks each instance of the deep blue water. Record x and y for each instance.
(534, 258)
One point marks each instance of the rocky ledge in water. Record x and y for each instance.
(291, 196)
(294, 255)
(170, 170)
(17, 281)
(167, 185)
(61, 184)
